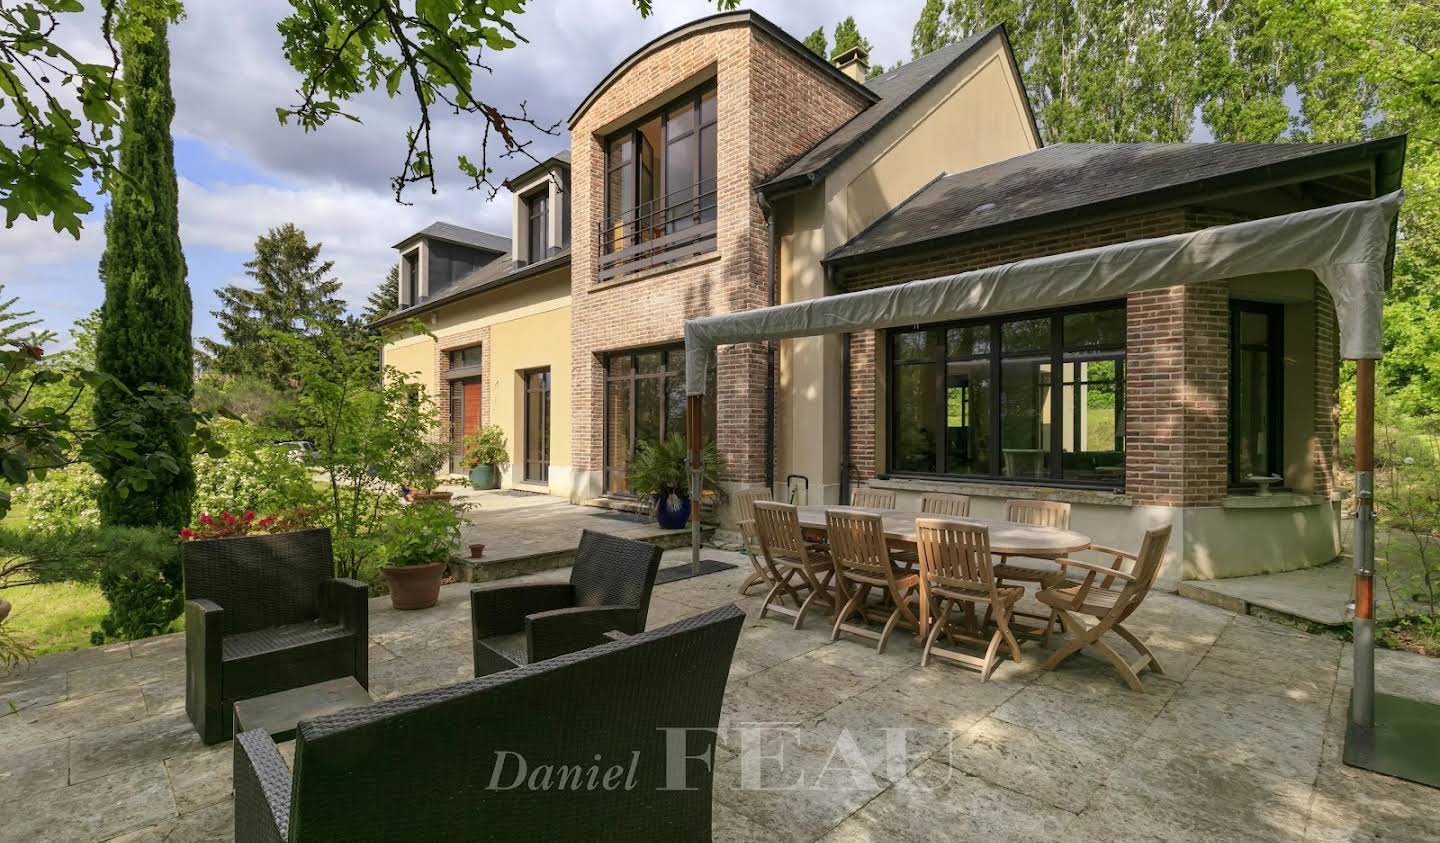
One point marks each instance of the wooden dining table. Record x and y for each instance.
(1007, 538)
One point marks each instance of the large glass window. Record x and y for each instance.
(982, 399)
(644, 402)
(660, 178)
(537, 229)
(537, 425)
(1257, 332)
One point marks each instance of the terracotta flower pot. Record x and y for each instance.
(414, 586)
(430, 497)
(477, 550)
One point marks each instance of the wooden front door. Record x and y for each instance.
(464, 418)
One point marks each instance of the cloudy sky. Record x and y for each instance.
(242, 173)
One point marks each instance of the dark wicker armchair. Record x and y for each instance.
(264, 614)
(446, 764)
(609, 589)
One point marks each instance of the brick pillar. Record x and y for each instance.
(1176, 401)
(1327, 378)
(863, 399)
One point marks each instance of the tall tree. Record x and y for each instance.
(1095, 70)
(294, 294)
(818, 43)
(385, 299)
(930, 33)
(144, 339)
(848, 37)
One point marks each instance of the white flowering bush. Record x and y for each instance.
(254, 475)
(67, 499)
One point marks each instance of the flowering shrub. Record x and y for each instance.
(254, 475)
(228, 525)
(67, 499)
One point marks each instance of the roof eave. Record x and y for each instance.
(513, 277)
(548, 164)
(712, 22)
(1168, 196)
(817, 173)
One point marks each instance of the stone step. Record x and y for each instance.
(487, 569)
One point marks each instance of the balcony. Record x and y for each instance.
(662, 231)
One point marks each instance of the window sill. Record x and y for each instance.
(653, 272)
(1099, 497)
(1274, 500)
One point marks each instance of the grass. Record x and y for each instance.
(55, 617)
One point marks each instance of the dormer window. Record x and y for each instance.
(537, 232)
(410, 278)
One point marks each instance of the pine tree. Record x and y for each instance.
(847, 36)
(817, 43)
(294, 294)
(144, 335)
(385, 299)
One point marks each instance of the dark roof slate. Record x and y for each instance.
(1066, 177)
(461, 235)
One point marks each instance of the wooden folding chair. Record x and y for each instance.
(862, 564)
(1109, 605)
(872, 498)
(956, 571)
(744, 501)
(1038, 514)
(954, 506)
(795, 565)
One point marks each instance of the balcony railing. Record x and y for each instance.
(662, 231)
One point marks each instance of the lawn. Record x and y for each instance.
(55, 616)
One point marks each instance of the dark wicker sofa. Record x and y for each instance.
(265, 614)
(609, 589)
(446, 764)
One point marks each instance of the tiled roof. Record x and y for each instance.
(461, 235)
(497, 273)
(1068, 177)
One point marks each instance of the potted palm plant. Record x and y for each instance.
(660, 470)
(484, 452)
(415, 546)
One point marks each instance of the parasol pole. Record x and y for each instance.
(1362, 699)
(693, 426)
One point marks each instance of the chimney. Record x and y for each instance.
(854, 62)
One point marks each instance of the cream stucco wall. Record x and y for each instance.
(529, 328)
(974, 116)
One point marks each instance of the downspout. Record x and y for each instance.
(771, 281)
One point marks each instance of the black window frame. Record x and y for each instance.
(1057, 353)
(1275, 386)
(632, 377)
(702, 199)
(536, 470)
(457, 356)
(410, 275)
(537, 208)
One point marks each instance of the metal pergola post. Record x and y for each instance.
(694, 425)
(1362, 699)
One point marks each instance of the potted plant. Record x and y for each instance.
(424, 470)
(484, 451)
(415, 546)
(660, 470)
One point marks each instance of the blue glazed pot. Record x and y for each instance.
(672, 518)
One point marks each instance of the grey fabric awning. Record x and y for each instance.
(1346, 246)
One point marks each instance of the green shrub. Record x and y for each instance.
(661, 468)
(67, 499)
(254, 475)
(420, 534)
(486, 446)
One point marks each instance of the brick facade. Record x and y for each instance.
(1177, 368)
(771, 106)
(447, 344)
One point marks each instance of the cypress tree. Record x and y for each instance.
(144, 337)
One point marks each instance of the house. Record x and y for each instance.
(497, 313)
(723, 167)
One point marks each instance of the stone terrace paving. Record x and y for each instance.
(1241, 740)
